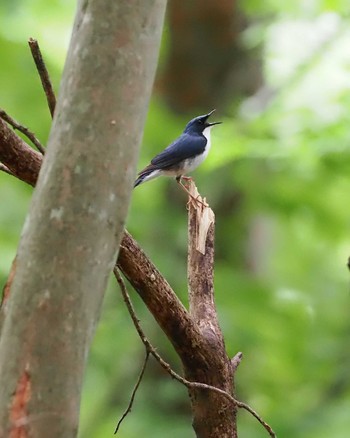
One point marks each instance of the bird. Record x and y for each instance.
(183, 155)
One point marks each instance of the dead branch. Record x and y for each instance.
(161, 300)
(43, 73)
(128, 409)
(190, 385)
(236, 360)
(201, 221)
(22, 129)
(149, 347)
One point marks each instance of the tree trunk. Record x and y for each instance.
(76, 219)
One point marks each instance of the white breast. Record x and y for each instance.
(207, 135)
(191, 163)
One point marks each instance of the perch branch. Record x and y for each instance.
(200, 273)
(22, 129)
(43, 73)
(201, 221)
(190, 385)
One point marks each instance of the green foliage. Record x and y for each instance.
(278, 180)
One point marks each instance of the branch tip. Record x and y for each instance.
(131, 402)
(205, 216)
(236, 360)
(43, 74)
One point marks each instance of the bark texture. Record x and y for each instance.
(77, 215)
(18, 157)
(213, 415)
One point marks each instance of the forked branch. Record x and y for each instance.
(190, 385)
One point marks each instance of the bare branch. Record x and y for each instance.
(153, 351)
(23, 161)
(191, 385)
(128, 409)
(200, 274)
(22, 129)
(257, 416)
(43, 73)
(161, 301)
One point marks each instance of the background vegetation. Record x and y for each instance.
(278, 180)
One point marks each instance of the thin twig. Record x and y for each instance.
(167, 367)
(128, 409)
(257, 416)
(43, 73)
(5, 169)
(23, 129)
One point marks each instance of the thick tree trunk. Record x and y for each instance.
(77, 215)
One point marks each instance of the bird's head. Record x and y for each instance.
(198, 124)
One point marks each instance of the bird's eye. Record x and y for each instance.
(200, 121)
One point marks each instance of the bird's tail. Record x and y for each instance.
(139, 181)
(146, 174)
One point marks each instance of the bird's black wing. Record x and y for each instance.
(186, 146)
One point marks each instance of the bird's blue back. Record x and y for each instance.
(186, 146)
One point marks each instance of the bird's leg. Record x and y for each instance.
(188, 178)
(180, 178)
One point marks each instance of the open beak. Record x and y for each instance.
(213, 123)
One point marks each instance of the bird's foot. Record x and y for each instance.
(196, 199)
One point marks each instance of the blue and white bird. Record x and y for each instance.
(183, 155)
